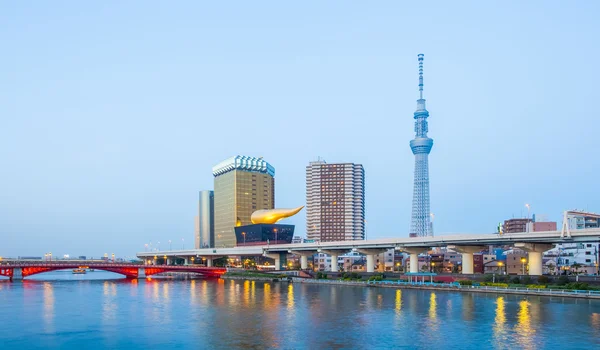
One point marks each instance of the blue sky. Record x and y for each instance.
(113, 113)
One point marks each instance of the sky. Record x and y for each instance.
(113, 113)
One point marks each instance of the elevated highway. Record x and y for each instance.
(466, 244)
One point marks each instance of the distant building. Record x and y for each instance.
(512, 262)
(296, 239)
(542, 226)
(579, 220)
(335, 201)
(205, 221)
(242, 186)
(580, 257)
(515, 225)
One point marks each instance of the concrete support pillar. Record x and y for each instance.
(17, 274)
(535, 264)
(334, 263)
(467, 263)
(169, 261)
(277, 257)
(209, 261)
(370, 254)
(303, 257)
(370, 262)
(186, 261)
(467, 256)
(535, 251)
(414, 262)
(141, 273)
(303, 262)
(414, 257)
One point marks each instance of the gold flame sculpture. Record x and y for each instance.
(271, 216)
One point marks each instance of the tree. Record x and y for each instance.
(576, 266)
(551, 268)
(424, 268)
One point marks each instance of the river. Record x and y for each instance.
(61, 310)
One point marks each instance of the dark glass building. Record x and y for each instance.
(262, 234)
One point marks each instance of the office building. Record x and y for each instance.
(335, 201)
(242, 185)
(421, 146)
(205, 220)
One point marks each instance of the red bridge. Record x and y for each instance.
(20, 271)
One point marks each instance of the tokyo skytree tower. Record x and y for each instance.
(421, 146)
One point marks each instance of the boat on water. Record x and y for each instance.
(79, 271)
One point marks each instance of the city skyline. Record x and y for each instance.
(111, 131)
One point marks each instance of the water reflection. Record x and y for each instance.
(193, 292)
(48, 307)
(267, 295)
(398, 302)
(432, 306)
(109, 305)
(290, 297)
(523, 327)
(500, 321)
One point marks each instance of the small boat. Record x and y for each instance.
(91, 270)
(79, 271)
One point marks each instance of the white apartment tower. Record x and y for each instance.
(335, 201)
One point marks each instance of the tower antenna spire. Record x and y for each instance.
(421, 57)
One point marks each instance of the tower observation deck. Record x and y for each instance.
(421, 146)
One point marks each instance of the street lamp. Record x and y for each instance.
(528, 209)
(165, 257)
(500, 264)
(169, 244)
(523, 260)
(204, 261)
(192, 260)
(398, 266)
(182, 244)
(244, 234)
(432, 266)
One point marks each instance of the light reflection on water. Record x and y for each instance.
(48, 307)
(163, 313)
(523, 328)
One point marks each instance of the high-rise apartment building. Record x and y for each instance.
(335, 201)
(205, 220)
(242, 186)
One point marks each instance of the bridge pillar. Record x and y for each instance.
(186, 261)
(370, 254)
(277, 257)
(535, 251)
(370, 262)
(467, 256)
(414, 258)
(303, 262)
(141, 272)
(209, 261)
(334, 254)
(303, 257)
(17, 274)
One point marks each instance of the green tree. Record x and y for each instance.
(551, 268)
(576, 266)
